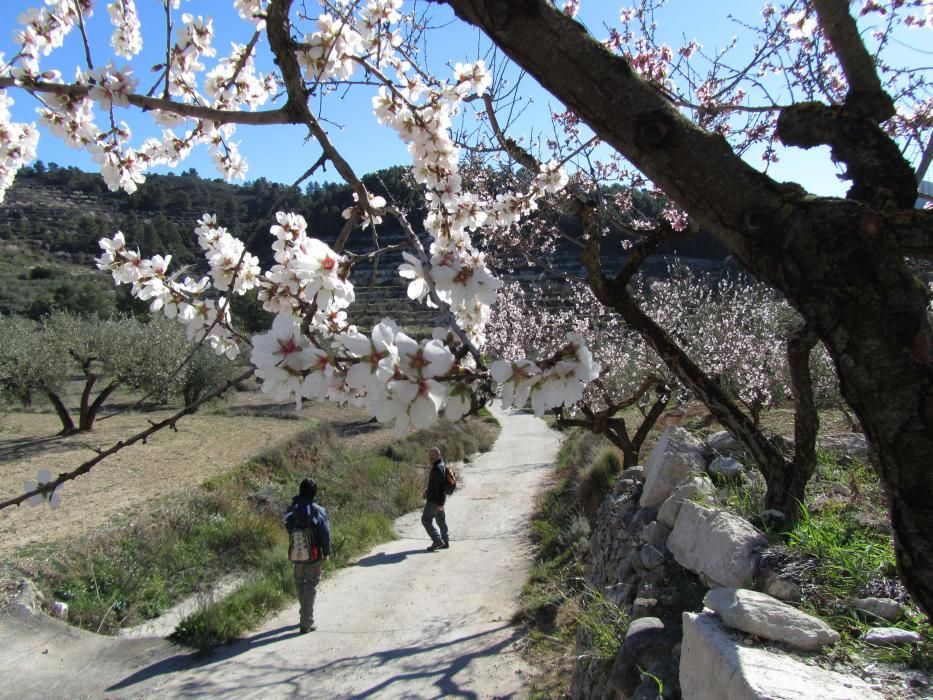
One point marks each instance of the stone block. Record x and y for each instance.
(715, 666)
(676, 455)
(721, 548)
(768, 618)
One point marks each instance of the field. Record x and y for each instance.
(223, 435)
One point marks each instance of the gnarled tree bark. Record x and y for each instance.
(837, 261)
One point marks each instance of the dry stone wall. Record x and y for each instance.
(683, 570)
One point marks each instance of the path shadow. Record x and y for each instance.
(384, 558)
(194, 659)
(446, 686)
(288, 673)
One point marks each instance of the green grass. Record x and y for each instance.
(849, 559)
(841, 548)
(135, 570)
(557, 605)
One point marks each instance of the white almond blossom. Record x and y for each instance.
(53, 497)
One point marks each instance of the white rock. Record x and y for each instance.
(883, 608)
(845, 445)
(766, 617)
(723, 443)
(696, 485)
(727, 468)
(655, 533)
(780, 588)
(714, 666)
(59, 610)
(720, 547)
(676, 455)
(891, 637)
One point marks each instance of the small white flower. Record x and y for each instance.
(53, 498)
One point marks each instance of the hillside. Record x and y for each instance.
(53, 217)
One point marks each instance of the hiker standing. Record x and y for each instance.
(435, 496)
(305, 514)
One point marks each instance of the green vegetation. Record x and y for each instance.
(557, 604)
(141, 566)
(841, 548)
(37, 360)
(54, 218)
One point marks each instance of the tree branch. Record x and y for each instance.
(141, 436)
(866, 96)
(880, 175)
(219, 116)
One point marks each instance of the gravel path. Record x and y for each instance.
(400, 623)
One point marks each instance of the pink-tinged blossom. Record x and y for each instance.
(801, 24)
(112, 86)
(320, 375)
(458, 402)
(127, 40)
(281, 358)
(516, 380)
(412, 403)
(378, 356)
(413, 270)
(18, 143)
(677, 218)
(427, 359)
(376, 203)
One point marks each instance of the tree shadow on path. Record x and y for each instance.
(293, 680)
(194, 659)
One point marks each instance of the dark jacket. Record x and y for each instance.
(437, 478)
(305, 513)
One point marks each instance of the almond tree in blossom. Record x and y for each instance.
(673, 120)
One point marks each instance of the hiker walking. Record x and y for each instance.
(435, 496)
(309, 546)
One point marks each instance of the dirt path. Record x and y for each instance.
(401, 623)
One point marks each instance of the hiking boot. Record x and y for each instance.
(304, 629)
(446, 545)
(435, 546)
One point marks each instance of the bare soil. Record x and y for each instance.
(205, 445)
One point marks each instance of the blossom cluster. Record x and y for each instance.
(232, 84)
(204, 318)
(17, 143)
(312, 351)
(559, 381)
(459, 276)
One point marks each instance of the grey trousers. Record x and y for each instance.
(428, 516)
(307, 577)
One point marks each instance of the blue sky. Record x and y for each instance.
(281, 154)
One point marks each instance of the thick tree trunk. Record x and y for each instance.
(839, 262)
(89, 412)
(68, 425)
